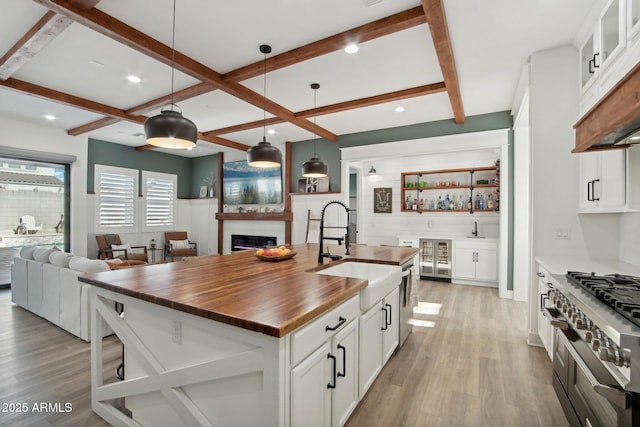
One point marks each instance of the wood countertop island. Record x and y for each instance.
(238, 289)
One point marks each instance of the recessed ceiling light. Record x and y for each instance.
(351, 48)
(634, 138)
(49, 117)
(399, 109)
(271, 132)
(134, 79)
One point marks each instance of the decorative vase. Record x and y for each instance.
(152, 243)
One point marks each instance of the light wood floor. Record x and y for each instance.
(467, 365)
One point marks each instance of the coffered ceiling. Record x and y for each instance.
(438, 59)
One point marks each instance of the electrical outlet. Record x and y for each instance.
(563, 233)
(176, 329)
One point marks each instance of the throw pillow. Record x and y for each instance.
(179, 244)
(60, 259)
(41, 254)
(86, 265)
(118, 250)
(27, 252)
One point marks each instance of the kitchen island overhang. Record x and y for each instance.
(196, 333)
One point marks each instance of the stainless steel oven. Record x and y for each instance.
(596, 373)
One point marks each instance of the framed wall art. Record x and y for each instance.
(382, 200)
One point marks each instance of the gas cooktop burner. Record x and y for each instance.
(620, 292)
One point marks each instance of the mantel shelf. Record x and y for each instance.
(254, 216)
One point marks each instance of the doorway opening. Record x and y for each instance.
(35, 202)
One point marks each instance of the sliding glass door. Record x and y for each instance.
(34, 208)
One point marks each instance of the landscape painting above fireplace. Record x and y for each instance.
(245, 185)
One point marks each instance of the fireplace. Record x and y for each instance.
(240, 242)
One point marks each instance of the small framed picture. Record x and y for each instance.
(382, 200)
(203, 191)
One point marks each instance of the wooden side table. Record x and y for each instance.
(153, 254)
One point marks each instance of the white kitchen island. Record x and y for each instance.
(234, 341)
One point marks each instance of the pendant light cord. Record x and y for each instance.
(173, 51)
(315, 110)
(264, 101)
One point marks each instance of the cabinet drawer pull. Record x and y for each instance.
(540, 274)
(384, 328)
(341, 321)
(344, 361)
(593, 191)
(332, 383)
(389, 317)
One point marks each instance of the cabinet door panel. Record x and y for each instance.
(464, 266)
(370, 347)
(345, 396)
(543, 322)
(588, 174)
(310, 397)
(612, 179)
(486, 265)
(392, 332)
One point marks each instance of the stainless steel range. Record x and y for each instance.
(596, 354)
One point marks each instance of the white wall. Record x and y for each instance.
(555, 178)
(29, 136)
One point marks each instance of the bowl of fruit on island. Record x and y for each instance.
(278, 253)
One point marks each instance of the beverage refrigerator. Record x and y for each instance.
(435, 259)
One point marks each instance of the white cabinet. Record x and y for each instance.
(379, 331)
(607, 181)
(475, 260)
(609, 47)
(324, 377)
(545, 330)
(413, 242)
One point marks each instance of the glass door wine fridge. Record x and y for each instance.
(435, 259)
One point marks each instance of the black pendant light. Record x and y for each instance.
(264, 155)
(170, 129)
(314, 167)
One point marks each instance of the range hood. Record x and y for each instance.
(614, 122)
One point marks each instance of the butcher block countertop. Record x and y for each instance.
(273, 298)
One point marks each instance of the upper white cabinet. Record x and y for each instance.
(607, 182)
(609, 46)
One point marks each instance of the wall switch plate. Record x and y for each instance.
(176, 331)
(563, 233)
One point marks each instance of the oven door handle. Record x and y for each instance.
(613, 394)
(555, 321)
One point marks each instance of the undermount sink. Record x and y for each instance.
(382, 279)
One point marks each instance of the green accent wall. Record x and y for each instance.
(328, 152)
(202, 170)
(123, 156)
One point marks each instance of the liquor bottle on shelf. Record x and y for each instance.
(440, 204)
(490, 204)
(476, 206)
(481, 203)
(447, 203)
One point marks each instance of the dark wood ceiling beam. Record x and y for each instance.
(117, 30)
(70, 100)
(382, 27)
(434, 11)
(341, 106)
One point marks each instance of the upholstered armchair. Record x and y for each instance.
(110, 246)
(177, 244)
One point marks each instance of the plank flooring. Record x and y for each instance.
(466, 364)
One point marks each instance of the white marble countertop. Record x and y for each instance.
(561, 264)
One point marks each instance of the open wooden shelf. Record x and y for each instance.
(254, 216)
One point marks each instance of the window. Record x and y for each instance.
(116, 190)
(159, 200)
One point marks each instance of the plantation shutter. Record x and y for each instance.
(116, 199)
(160, 196)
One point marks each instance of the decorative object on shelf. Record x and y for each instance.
(372, 171)
(382, 200)
(203, 191)
(314, 167)
(314, 185)
(210, 184)
(152, 244)
(170, 129)
(264, 155)
(239, 184)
